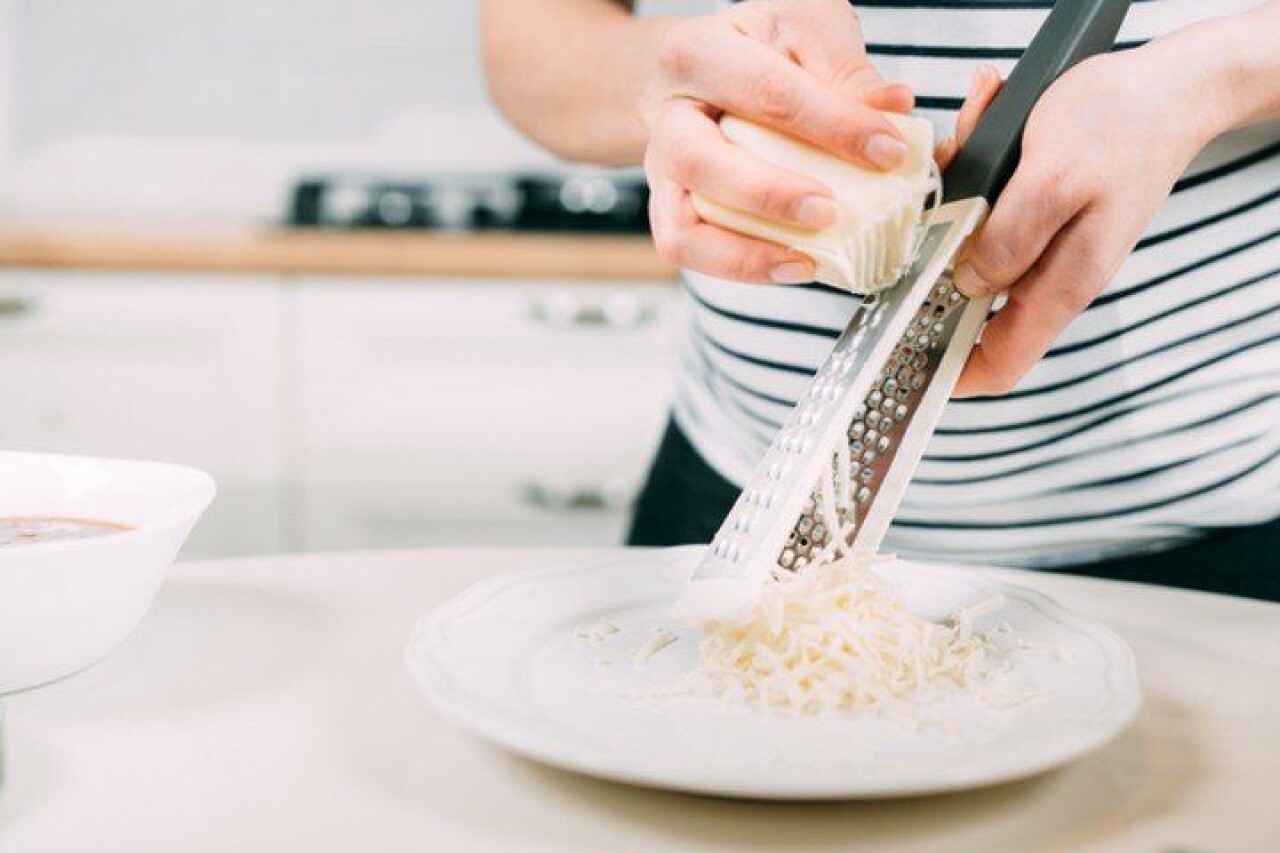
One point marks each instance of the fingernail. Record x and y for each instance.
(970, 283)
(885, 151)
(817, 211)
(792, 272)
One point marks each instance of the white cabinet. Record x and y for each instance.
(478, 411)
(352, 413)
(181, 368)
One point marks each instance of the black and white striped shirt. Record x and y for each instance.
(1155, 417)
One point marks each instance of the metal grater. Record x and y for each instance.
(873, 392)
(884, 416)
(885, 384)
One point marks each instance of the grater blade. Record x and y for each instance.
(879, 393)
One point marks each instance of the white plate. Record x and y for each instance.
(505, 660)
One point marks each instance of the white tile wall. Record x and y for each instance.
(288, 70)
(295, 70)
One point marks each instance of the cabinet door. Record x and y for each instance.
(493, 411)
(180, 368)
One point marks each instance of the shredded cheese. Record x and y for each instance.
(660, 640)
(839, 637)
(598, 633)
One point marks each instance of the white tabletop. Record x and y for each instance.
(263, 706)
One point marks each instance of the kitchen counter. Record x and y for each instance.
(224, 248)
(263, 705)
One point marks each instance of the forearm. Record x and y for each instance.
(1232, 65)
(569, 73)
(1257, 65)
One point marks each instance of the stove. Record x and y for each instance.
(599, 201)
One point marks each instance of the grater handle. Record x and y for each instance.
(1074, 31)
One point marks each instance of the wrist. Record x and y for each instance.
(625, 55)
(1254, 52)
(1226, 71)
(650, 95)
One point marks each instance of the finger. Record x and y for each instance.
(824, 37)
(946, 153)
(1037, 203)
(982, 91)
(693, 153)
(892, 97)
(683, 240)
(1039, 308)
(750, 80)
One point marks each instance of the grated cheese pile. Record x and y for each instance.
(838, 636)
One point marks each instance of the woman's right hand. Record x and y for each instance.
(799, 66)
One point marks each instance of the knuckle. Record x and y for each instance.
(759, 259)
(997, 260)
(670, 247)
(838, 7)
(769, 199)
(746, 265)
(685, 164)
(758, 19)
(1065, 188)
(854, 72)
(847, 11)
(677, 58)
(774, 97)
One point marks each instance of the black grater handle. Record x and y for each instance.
(1074, 31)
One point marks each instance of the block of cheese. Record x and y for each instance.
(876, 233)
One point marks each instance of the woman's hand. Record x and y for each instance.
(799, 66)
(1101, 153)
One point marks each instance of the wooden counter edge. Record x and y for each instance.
(286, 251)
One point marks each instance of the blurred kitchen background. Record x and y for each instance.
(293, 244)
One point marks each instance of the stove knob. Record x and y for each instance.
(395, 209)
(573, 195)
(453, 208)
(603, 197)
(343, 205)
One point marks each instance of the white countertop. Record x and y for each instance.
(263, 706)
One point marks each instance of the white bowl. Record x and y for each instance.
(64, 605)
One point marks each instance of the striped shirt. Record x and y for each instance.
(1155, 417)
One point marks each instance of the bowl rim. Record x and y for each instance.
(187, 509)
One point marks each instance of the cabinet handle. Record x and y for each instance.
(581, 498)
(17, 306)
(565, 310)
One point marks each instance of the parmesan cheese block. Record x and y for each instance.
(873, 239)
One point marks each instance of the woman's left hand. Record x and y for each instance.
(1101, 153)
